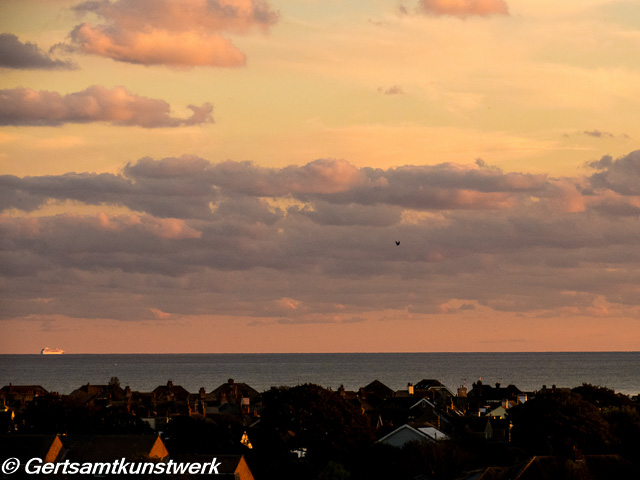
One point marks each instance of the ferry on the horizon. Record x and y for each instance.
(51, 351)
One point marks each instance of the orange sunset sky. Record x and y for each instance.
(233, 175)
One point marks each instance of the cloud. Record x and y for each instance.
(598, 134)
(157, 47)
(184, 34)
(118, 106)
(393, 90)
(621, 176)
(463, 8)
(26, 56)
(184, 187)
(316, 243)
(322, 176)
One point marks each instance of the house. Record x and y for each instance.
(487, 427)
(107, 448)
(19, 396)
(397, 411)
(496, 394)
(235, 393)
(406, 433)
(483, 398)
(171, 400)
(431, 389)
(24, 447)
(376, 391)
(99, 395)
(171, 393)
(499, 412)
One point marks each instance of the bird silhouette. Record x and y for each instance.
(397, 242)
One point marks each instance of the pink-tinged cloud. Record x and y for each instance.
(164, 32)
(323, 176)
(464, 8)
(167, 228)
(157, 47)
(479, 239)
(102, 224)
(24, 106)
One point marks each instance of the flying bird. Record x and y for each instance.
(397, 242)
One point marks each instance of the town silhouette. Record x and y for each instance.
(425, 431)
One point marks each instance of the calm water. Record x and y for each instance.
(529, 371)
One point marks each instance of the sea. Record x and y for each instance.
(529, 371)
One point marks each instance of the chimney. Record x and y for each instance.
(462, 391)
(410, 388)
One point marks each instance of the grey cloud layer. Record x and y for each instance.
(316, 242)
(27, 56)
(184, 187)
(118, 106)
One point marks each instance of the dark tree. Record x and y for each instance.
(197, 435)
(625, 427)
(602, 397)
(559, 424)
(319, 419)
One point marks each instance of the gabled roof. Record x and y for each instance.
(233, 389)
(176, 391)
(423, 402)
(23, 390)
(90, 392)
(406, 433)
(425, 384)
(106, 448)
(378, 388)
(433, 433)
(497, 412)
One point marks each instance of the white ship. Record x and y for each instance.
(51, 351)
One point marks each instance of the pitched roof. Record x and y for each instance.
(23, 390)
(425, 384)
(176, 391)
(90, 392)
(233, 389)
(378, 388)
(407, 433)
(105, 448)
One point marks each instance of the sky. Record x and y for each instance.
(235, 176)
